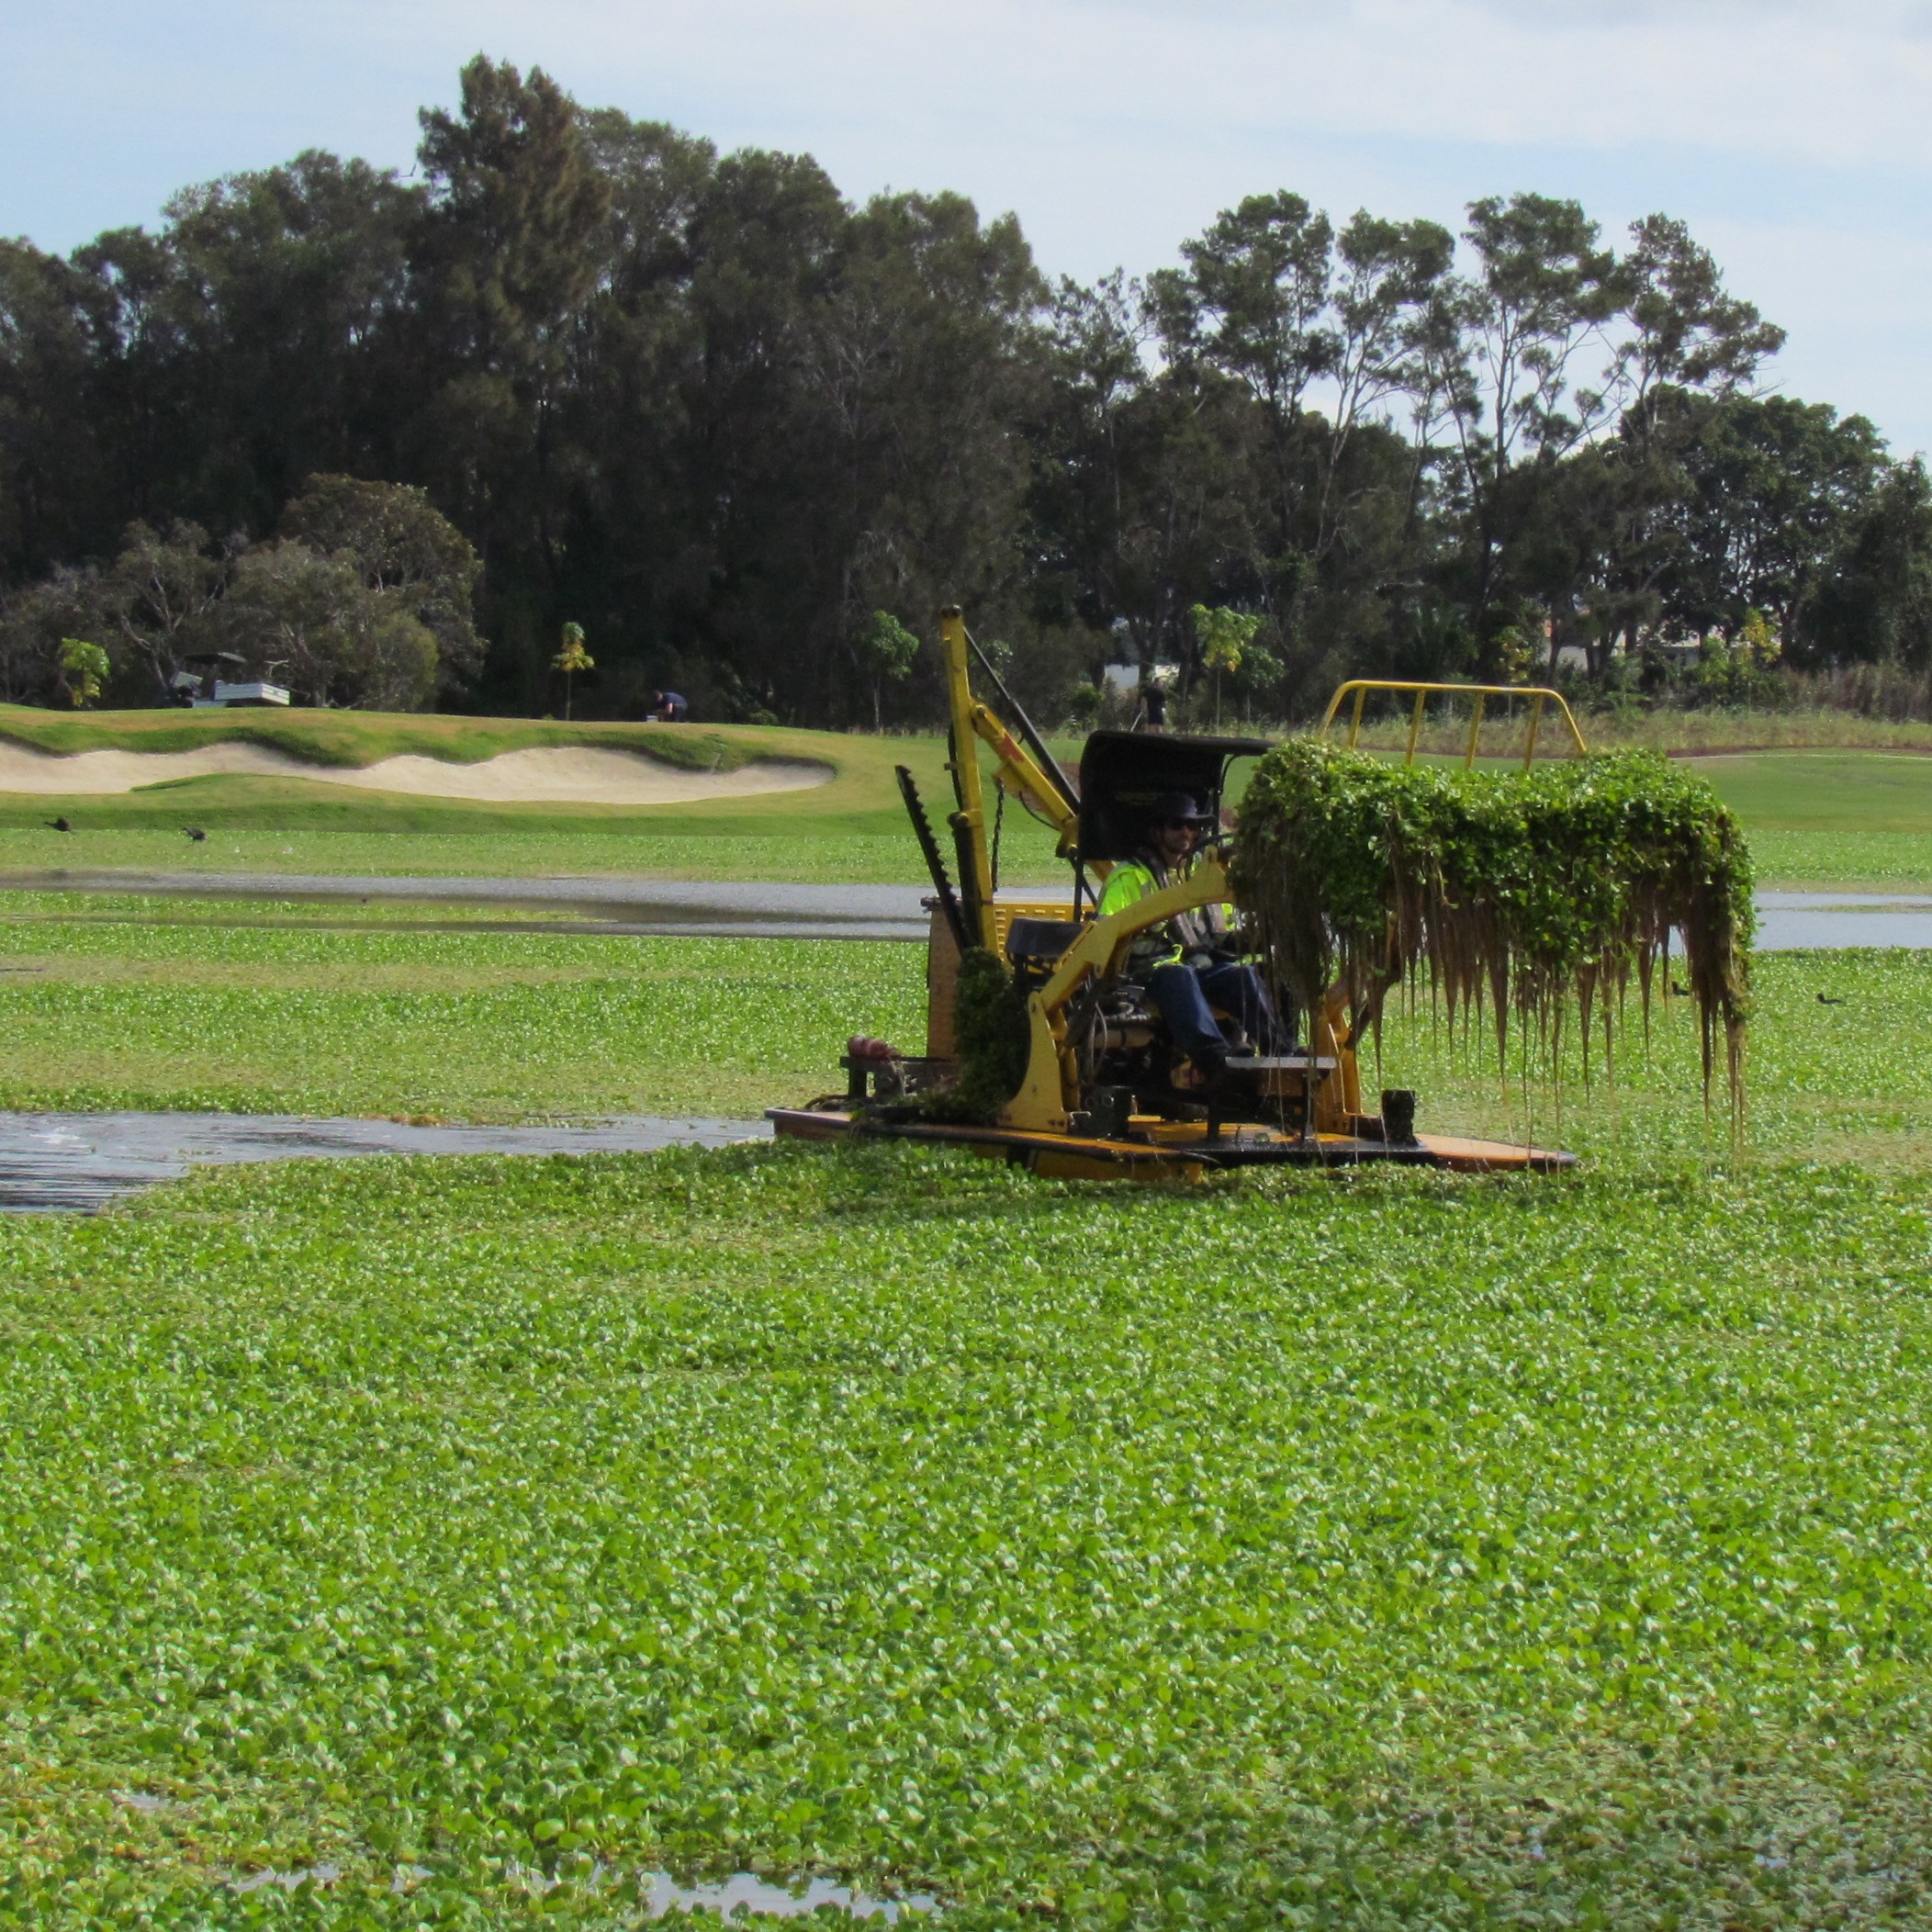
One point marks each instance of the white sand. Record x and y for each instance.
(572, 774)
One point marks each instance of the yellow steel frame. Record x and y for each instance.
(1539, 696)
(1052, 1078)
(1052, 1087)
(1018, 772)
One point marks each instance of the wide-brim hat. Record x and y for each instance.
(1176, 808)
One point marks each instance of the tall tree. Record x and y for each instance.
(508, 253)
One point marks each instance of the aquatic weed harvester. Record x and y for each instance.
(1520, 898)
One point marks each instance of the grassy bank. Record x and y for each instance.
(1361, 1554)
(861, 796)
(1690, 734)
(1822, 819)
(364, 737)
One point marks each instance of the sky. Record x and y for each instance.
(1793, 136)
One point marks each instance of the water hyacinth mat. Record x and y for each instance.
(1368, 1552)
(1541, 893)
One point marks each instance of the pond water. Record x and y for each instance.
(745, 1892)
(1828, 921)
(81, 1162)
(659, 1894)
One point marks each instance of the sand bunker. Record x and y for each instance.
(546, 774)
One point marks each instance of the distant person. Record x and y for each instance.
(667, 707)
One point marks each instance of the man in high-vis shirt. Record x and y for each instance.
(1188, 964)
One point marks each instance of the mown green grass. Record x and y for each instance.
(1841, 820)
(1843, 861)
(811, 851)
(1372, 1553)
(1861, 792)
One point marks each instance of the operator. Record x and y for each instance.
(1189, 965)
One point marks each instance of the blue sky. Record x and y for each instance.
(1793, 136)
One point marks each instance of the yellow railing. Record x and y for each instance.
(1539, 696)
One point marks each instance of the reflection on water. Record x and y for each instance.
(81, 1162)
(1831, 922)
(746, 1892)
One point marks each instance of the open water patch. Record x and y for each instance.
(698, 909)
(79, 1163)
(659, 1894)
(745, 1892)
(1834, 922)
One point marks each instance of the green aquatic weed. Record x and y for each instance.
(1531, 894)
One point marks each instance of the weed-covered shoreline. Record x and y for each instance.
(274, 1009)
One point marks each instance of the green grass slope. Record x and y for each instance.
(860, 796)
(1827, 818)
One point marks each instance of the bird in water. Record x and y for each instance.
(57, 825)
(195, 832)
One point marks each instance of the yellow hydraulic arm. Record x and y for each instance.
(1020, 772)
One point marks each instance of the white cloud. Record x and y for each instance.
(1843, 86)
(1791, 133)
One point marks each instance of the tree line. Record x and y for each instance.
(392, 435)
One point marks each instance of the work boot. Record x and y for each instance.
(1202, 1071)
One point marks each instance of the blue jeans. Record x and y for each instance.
(1182, 995)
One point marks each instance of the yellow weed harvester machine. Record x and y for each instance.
(1097, 1099)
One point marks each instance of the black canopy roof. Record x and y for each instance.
(1122, 773)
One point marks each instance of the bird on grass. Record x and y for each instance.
(57, 825)
(1683, 993)
(1826, 999)
(195, 832)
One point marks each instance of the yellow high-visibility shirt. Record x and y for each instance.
(1130, 882)
(1126, 885)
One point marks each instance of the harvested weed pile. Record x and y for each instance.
(1531, 891)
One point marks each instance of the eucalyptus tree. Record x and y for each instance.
(1776, 492)
(403, 550)
(58, 498)
(506, 264)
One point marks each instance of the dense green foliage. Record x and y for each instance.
(1529, 891)
(730, 421)
(1314, 1552)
